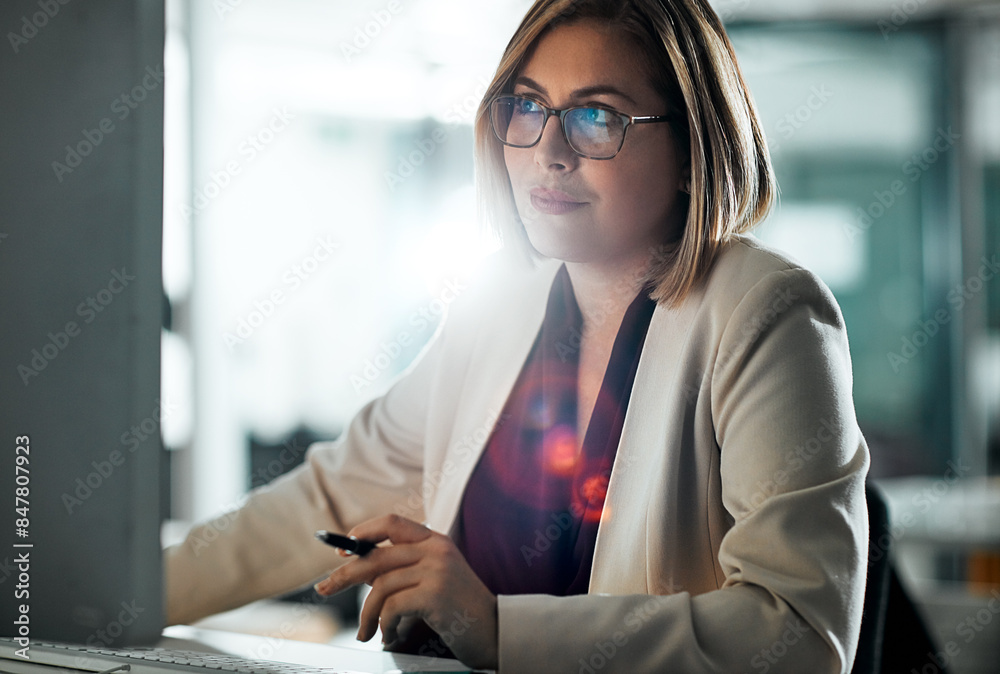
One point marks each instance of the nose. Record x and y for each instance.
(553, 151)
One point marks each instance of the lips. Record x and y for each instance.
(554, 202)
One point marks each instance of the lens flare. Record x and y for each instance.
(559, 451)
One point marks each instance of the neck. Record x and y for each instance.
(604, 291)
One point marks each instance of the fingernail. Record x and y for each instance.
(320, 587)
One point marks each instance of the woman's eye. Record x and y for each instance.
(595, 116)
(526, 107)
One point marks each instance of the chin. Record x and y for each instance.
(562, 246)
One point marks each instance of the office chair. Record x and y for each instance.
(893, 637)
(869, 656)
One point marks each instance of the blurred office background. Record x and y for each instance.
(318, 202)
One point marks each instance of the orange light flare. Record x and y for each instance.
(559, 451)
(594, 490)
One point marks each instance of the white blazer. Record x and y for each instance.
(735, 530)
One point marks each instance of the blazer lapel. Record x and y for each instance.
(497, 359)
(624, 546)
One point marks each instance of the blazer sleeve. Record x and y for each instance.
(793, 463)
(266, 546)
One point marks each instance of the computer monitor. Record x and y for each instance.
(80, 320)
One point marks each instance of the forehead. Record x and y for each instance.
(585, 54)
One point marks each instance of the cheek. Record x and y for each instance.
(514, 161)
(635, 187)
(642, 193)
(517, 171)
(655, 173)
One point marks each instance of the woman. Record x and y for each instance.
(639, 450)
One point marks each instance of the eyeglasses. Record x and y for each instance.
(594, 133)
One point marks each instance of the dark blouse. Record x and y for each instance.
(528, 519)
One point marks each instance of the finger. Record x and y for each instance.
(366, 569)
(406, 602)
(384, 587)
(392, 528)
(389, 630)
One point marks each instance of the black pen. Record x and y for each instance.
(349, 543)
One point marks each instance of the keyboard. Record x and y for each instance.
(139, 660)
(61, 658)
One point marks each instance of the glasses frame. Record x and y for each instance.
(628, 121)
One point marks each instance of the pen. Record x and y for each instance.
(349, 543)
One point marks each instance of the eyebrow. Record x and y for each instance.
(585, 92)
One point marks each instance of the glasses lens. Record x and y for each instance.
(595, 132)
(517, 121)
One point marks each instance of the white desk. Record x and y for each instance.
(184, 637)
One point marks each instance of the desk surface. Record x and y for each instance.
(184, 637)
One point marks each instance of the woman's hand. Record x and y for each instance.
(422, 574)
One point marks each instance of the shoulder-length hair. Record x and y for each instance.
(694, 69)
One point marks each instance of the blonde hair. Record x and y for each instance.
(694, 68)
